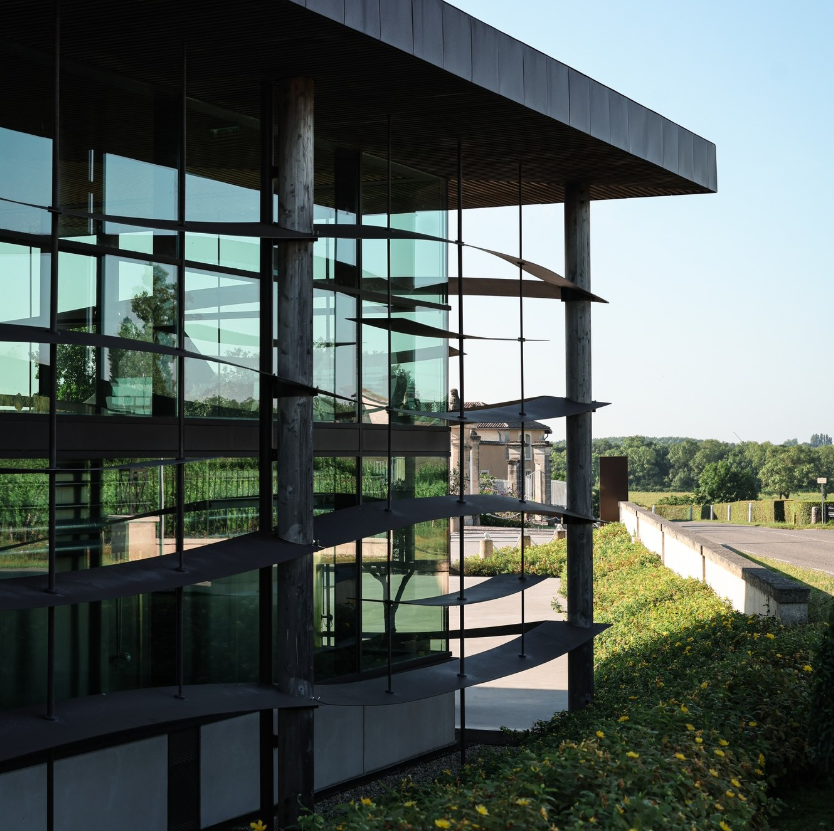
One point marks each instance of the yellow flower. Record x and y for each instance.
(443, 823)
(723, 826)
(410, 804)
(623, 718)
(742, 798)
(690, 727)
(698, 740)
(523, 802)
(684, 708)
(600, 734)
(713, 772)
(366, 801)
(730, 794)
(735, 782)
(632, 755)
(770, 635)
(543, 812)
(807, 668)
(482, 810)
(679, 756)
(257, 826)
(761, 759)
(723, 742)
(719, 753)
(704, 685)
(759, 772)
(752, 724)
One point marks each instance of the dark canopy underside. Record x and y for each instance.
(439, 73)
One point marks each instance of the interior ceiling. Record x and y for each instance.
(360, 81)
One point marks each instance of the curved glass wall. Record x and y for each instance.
(130, 301)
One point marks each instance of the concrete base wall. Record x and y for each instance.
(751, 589)
(23, 799)
(124, 787)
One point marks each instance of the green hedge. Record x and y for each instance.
(793, 511)
(698, 711)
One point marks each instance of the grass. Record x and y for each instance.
(820, 583)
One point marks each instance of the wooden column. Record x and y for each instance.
(580, 567)
(294, 671)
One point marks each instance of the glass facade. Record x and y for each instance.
(140, 346)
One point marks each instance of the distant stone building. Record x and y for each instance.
(494, 449)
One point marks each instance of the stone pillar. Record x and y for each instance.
(294, 672)
(580, 563)
(475, 468)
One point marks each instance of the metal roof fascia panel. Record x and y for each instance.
(580, 100)
(686, 164)
(396, 24)
(428, 30)
(637, 139)
(618, 119)
(558, 92)
(510, 67)
(600, 113)
(457, 42)
(334, 9)
(654, 138)
(535, 79)
(671, 131)
(485, 56)
(363, 15)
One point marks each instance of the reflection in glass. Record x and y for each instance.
(24, 373)
(419, 565)
(24, 514)
(222, 320)
(24, 285)
(334, 354)
(23, 668)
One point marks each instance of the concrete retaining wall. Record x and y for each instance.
(751, 589)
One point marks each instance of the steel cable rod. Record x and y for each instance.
(521, 373)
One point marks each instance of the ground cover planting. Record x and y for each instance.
(699, 712)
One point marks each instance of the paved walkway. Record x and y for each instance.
(805, 548)
(517, 701)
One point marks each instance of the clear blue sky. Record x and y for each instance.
(721, 306)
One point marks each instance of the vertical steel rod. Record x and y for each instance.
(266, 643)
(389, 541)
(180, 503)
(523, 487)
(53, 362)
(461, 450)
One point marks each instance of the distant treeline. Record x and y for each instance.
(677, 464)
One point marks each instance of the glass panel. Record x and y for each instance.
(23, 668)
(122, 644)
(24, 283)
(222, 184)
(336, 610)
(25, 140)
(119, 152)
(334, 355)
(419, 566)
(222, 320)
(221, 630)
(24, 377)
(24, 514)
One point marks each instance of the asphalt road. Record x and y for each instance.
(806, 548)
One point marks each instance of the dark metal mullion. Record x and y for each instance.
(461, 526)
(523, 493)
(53, 361)
(180, 505)
(389, 553)
(266, 640)
(360, 473)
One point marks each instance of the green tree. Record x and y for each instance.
(709, 452)
(681, 476)
(820, 440)
(787, 469)
(724, 482)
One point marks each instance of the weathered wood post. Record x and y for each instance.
(294, 673)
(580, 568)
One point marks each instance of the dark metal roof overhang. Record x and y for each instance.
(440, 74)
